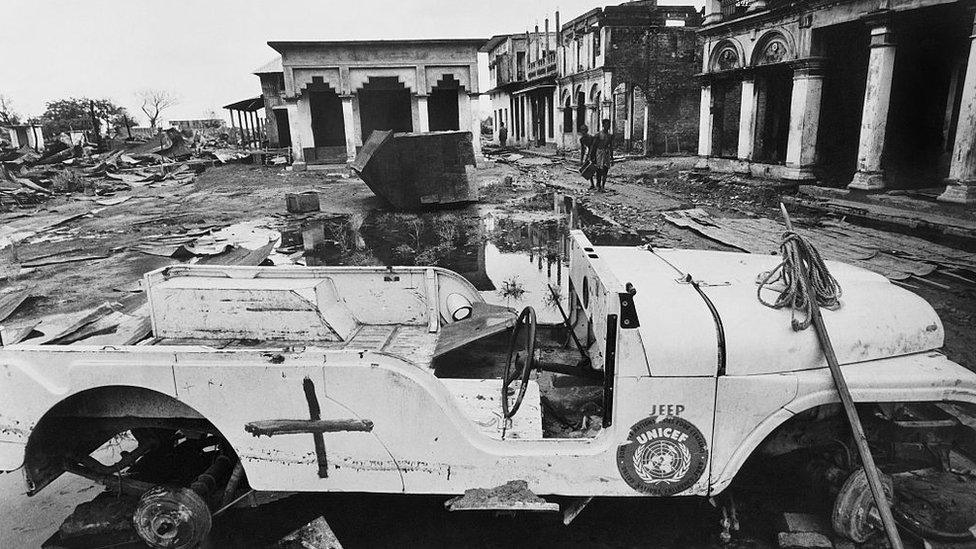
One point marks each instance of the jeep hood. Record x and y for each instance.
(681, 337)
(876, 319)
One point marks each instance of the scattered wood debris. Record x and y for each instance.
(898, 257)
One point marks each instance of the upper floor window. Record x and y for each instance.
(596, 45)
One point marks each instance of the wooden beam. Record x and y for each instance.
(272, 427)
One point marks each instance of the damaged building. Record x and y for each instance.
(849, 93)
(632, 64)
(328, 96)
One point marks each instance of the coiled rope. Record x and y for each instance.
(795, 251)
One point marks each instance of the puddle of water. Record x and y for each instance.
(511, 257)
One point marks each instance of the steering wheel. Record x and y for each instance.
(525, 319)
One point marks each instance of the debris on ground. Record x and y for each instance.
(27, 177)
(898, 257)
(315, 535)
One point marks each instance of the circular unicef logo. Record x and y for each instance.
(663, 456)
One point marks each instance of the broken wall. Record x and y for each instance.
(661, 62)
(272, 86)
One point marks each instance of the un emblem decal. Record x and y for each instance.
(662, 456)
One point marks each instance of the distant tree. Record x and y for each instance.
(7, 114)
(155, 101)
(64, 115)
(124, 120)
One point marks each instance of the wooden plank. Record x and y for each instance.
(12, 298)
(272, 427)
(762, 235)
(57, 327)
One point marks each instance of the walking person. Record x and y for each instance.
(602, 146)
(586, 151)
(502, 134)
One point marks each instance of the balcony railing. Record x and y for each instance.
(541, 68)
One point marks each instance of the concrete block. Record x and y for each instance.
(299, 166)
(803, 540)
(302, 202)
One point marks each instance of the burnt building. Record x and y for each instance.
(853, 92)
(633, 64)
(329, 96)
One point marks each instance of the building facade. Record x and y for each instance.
(336, 93)
(276, 127)
(522, 86)
(851, 92)
(631, 64)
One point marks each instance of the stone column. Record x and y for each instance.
(294, 128)
(560, 129)
(874, 118)
(423, 114)
(801, 145)
(713, 12)
(647, 129)
(473, 120)
(349, 124)
(574, 134)
(747, 119)
(961, 185)
(704, 127)
(629, 108)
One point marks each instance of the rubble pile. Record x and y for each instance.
(28, 177)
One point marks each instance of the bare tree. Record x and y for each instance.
(7, 114)
(155, 101)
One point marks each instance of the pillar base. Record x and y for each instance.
(959, 192)
(867, 181)
(798, 173)
(702, 164)
(298, 166)
(741, 167)
(711, 19)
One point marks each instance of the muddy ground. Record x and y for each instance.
(507, 243)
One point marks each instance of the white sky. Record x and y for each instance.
(206, 50)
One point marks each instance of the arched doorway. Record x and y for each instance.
(442, 105)
(597, 112)
(384, 104)
(580, 110)
(325, 108)
(567, 116)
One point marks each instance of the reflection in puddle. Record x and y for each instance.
(512, 258)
